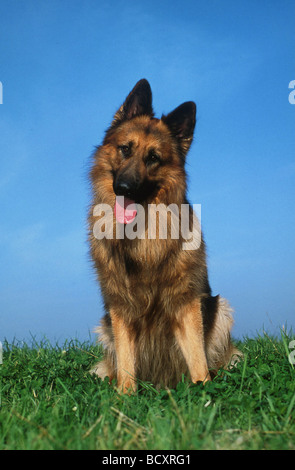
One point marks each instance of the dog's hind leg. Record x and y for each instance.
(106, 367)
(219, 349)
(103, 369)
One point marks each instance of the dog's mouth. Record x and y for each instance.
(125, 210)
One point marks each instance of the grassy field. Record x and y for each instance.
(49, 401)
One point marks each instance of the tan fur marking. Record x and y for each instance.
(124, 346)
(189, 335)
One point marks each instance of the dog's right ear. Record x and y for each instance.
(137, 103)
(181, 123)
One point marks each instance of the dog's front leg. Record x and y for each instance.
(124, 346)
(189, 335)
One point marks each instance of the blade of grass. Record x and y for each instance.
(243, 374)
(289, 410)
(69, 394)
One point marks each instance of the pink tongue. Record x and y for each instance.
(125, 210)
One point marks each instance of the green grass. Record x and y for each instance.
(49, 401)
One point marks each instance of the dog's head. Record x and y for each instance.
(144, 156)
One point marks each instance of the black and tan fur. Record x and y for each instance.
(161, 320)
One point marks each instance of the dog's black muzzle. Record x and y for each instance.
(127, 186)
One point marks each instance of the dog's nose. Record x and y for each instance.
(123, 188)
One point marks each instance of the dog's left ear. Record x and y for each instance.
(137, 103)
(181, 123)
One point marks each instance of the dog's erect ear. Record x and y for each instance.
(137, 103)
(181, 123)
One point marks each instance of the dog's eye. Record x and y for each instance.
(125, 150)
(153, 158)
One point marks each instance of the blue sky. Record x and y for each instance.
(65, 67)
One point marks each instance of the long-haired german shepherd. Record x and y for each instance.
(161, 320)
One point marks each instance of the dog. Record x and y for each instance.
(161, 322)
